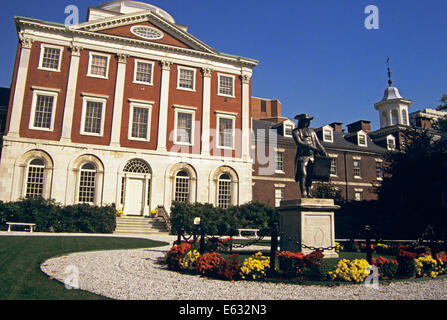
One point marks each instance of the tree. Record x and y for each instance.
(413, 183)
(443, 100)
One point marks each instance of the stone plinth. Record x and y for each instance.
(310, 222)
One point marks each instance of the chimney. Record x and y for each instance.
(359, 125)
(337, 126)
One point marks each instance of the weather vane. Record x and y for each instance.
(390, 82)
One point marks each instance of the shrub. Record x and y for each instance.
(230, 268)
(210, 263)
(426, 266)
(352, 271)
(255, 267)
(387, 267)
(294, 264)
(407, 267)
(175, 254)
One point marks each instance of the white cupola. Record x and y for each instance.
(393, 109)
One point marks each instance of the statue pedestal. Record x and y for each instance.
(310, 222)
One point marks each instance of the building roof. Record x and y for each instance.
(340, 141)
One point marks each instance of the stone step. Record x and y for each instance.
(140, 225)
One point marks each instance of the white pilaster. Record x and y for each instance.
(163, 113)
(206, 107)
(71, 93)
(22, 72)
(245, 116)
(119, 97)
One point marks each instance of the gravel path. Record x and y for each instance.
(140, 274)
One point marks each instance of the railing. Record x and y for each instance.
(164, 215)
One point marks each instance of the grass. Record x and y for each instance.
(21, 257)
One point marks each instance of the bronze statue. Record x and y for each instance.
(308, 146)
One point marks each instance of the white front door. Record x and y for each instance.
(134, 197)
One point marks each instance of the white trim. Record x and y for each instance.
(190, 110)
(177, 106)
(136, 61)
(91, 54)
(149, 117)
(218, 85)
(221, 115)
(103, 111)
(33, 109)
(193, 78)
(329, 129)
(94, 95)
(140, 101)
(227, 113)
(54, 90)
(361, 133)
(42, 51)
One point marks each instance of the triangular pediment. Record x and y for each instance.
(124, 25)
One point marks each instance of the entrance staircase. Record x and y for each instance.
(140, 225)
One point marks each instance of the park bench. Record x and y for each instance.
(31, 225)
(253, 231)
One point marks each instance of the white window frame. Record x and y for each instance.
(147, 106)
(95, 191)
(136, 61)
(27, 182)
(388, 138)
(381, 164)
(331, 131)
(283, 151)
(358, 139)
(43, 92)
(179, 68)
(282, 190)
(219, 75)
(91, 54)
(360, 193)
(334, 158)
(184, 109)
(360, 168)
(91, 98)
(42, 51)
(226, 116)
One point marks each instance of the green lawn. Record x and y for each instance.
(21, 257)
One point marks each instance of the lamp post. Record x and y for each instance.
(202, 234)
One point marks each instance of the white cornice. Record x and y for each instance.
(24, 25)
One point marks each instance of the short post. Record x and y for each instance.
(202, 240)
(273, 248)
(368, 244)
(179, 236)
(432, 242)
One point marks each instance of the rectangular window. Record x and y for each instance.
(224, 198)
(43, 111)
(143, 72)
(181, 188)
(288, 129)
(379, 170)
(357, 169)
(279, 196)
(334, 166)
(50, 58)
(226, 85)
(139, 121)
(362, 140)
(279, 161)
(186, 79)
(226, 132)
(184, 128)
(327, 135)
(93, 117)
(99, 65)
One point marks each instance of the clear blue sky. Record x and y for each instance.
(316, 57)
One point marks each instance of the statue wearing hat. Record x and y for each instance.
(308, 146)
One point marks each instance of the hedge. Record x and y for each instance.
(219, 221)
(52, 217)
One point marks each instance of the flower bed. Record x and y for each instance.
(185, 256)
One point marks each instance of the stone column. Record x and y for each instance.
(22, 72)
(71, 93)
(310, 222)
(206, 111)
(119, 97)
(164, 97)
(245, 116)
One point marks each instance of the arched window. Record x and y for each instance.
(136, 187)
(404, 117)
(137, 166)
(394, 117)
(87, 183)
(35, 178)
(224, 192)
(182, 184)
